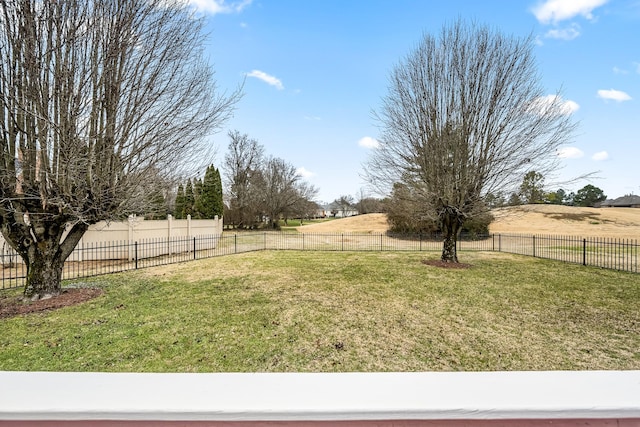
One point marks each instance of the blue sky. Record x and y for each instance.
(314, 71)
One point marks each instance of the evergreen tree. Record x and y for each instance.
(189, 199)
(180, 203)
(204, 203)
(210, 203)
(532, 187)
(198, 204)
(218, 205)
(589, 195)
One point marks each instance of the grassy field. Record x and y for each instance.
(328, 312)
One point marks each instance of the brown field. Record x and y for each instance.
(529, 219)
(621, 223)
(369, 223)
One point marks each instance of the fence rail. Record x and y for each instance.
(112, 257)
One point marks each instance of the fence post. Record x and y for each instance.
(235, 243)
(420, 237)
(135, 247)
(493, 243)
(265, 240)
(342, 240)
(380, 242)
(499, 242)
(194, 248)
(169, 232)
(584, 251)
(534, 245)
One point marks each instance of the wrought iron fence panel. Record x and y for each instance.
(94, 259)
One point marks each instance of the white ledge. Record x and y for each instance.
(319, 397)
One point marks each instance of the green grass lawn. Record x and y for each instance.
(339, 311)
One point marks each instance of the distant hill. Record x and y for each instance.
(568, 220)
(367, 223)
(527, 219)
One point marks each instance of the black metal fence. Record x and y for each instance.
(113, 257)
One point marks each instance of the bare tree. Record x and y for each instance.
(243, 162)
(93, 96)
(366, 204)
(343, 205)
(283, 189)
(464, 116)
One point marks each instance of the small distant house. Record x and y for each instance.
(336, 211)
(628, 201)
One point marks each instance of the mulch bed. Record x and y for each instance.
(15, 306)
(442, 264)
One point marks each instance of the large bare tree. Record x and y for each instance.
(465, 115)
(94, 96)
(242, 167)
(283, 190)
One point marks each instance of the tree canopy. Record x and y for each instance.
(588, 196)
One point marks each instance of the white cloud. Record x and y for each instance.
(600, 155)
(368, 142)
(614, 95)
(570, 153)
(215, 7)
(544, 104)
(570, 107)
(554, 11)
(304, 173)
(617, 70)
(270, 80)
(569, 33)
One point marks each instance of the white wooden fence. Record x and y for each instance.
(122, 235)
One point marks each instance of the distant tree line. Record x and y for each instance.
(532, 191)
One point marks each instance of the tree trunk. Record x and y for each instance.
(44, 275)
(452, 220)
(44, 246)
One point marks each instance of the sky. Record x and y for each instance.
(315, 71)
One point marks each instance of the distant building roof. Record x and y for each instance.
(623, 202)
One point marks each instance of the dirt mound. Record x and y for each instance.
(367, 223)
